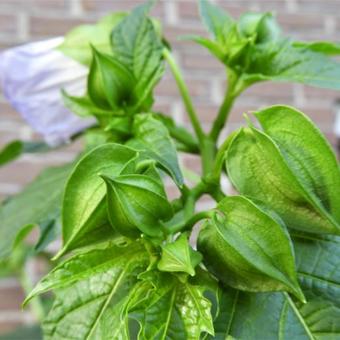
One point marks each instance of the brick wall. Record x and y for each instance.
(30, 20)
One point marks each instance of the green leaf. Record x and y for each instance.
(83, 106)
(14, 149)
(281, 61)
(174, 310)
(178, 256)
(38, 204)
(10, 152)
(84, 214)
(307, 152)
(110, 83)
(276, 315)
(137, 203)
(77, 43)
(258, 169)
(153, 137)
(137, 45)
(88, 286)
(247, 249)
(215, 19)
(214, 47)
(325, 47)
(262, 26)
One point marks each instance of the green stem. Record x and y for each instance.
(208, 152)
(194, 194)
(224, 111)
(185, 94)
(219, 160)
(190, 223)
(35, 303)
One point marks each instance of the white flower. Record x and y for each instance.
(32, 76)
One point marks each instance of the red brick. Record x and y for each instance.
(188, 10)
(8, 24)
(314, 6)
(168, 87)
(192, 162)
(7, 112)
(194, 62)
(51, 27)
(300, 22)
(9, 326)
(314, 93)
(276, 93)
(34, 5)
(116, 6)
(11, 298)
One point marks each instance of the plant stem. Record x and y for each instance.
(35, 303)
(208, 152)
(190, 223)
(224, 111)
(185, 94)
(217, 169)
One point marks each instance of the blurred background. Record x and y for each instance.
(23, 21)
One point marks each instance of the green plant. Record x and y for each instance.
(266, 260)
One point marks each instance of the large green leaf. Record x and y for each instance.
(77, 43)
(137, 45)
(258, 169)
(325, 47)
(282, 61)
(215, 19)
(307, 153)
(38, 204)
(173, 310)
(262, 26)
(153, 137)
(90, 285)
(137, 203)
(276, 315)
(84, 214)
(247, 249)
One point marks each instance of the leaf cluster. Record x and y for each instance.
(264, 264)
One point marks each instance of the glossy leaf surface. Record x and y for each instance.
(153, 137)
(174, 310)
(110, 83)
(178, 256)
(307, 153)
(84, 213)
(88, 286)
(276, 315)
(259, 170)
(247, 249)
(215, 19)
(137, 45)
(137, 203)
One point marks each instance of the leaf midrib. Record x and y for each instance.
(108, 300)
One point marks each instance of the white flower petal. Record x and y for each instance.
(32, 76)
